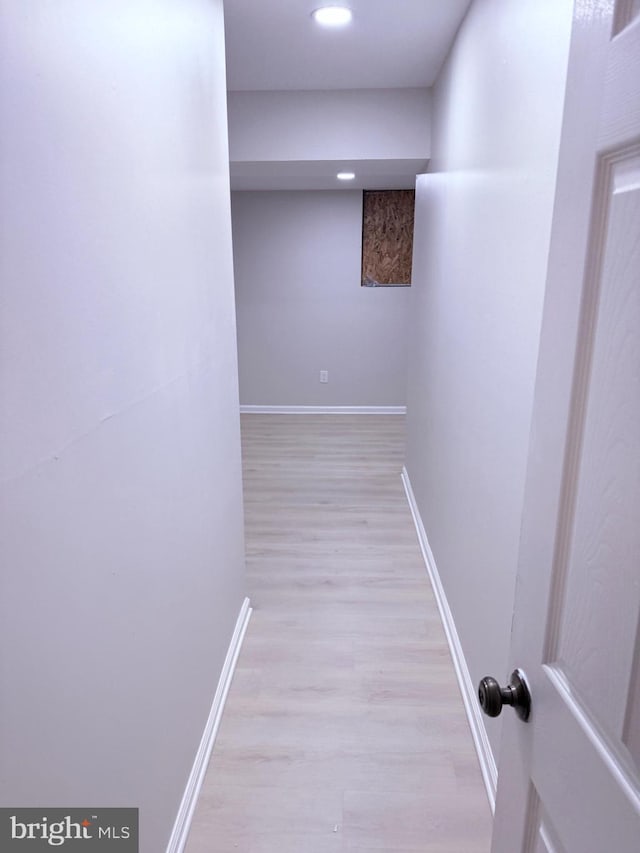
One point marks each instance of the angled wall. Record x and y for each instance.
(120, 485)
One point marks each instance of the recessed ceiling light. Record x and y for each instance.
(332, 16)
(345, 176)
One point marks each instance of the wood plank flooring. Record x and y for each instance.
(344, 730)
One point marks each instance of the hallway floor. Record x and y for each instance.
(344, 730)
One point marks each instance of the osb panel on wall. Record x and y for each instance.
(387, 237)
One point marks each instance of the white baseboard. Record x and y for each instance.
(467, 689)
(323, 410)
(187, 808)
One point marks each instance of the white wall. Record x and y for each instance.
(482, 237)
(121, 519)
(329, 125)
(301, 308)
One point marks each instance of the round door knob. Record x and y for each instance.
(492, 697)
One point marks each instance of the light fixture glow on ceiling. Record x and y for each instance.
(332, 16)
(345, 176)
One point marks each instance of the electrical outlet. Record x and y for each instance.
(324, 376)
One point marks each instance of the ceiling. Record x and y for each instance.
(321, 174)
(275, 44)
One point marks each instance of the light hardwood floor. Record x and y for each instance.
(344, 730)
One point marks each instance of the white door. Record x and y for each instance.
(569, 779)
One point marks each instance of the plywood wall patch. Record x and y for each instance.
(387, 237)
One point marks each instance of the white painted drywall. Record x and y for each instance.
(363, 124)
(483, 217)
(301, 308)
(121, 519)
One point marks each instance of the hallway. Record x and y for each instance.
(344, 729)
